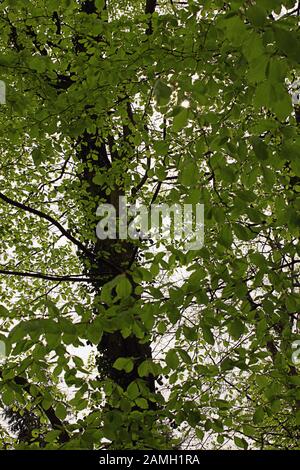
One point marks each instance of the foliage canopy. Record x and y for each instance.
(167, 101)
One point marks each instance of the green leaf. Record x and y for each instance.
(258, 259)
(46, 404)
(94, 333)
(100, 4)
(260, 148)
(257, 15)
(200, 433)
(288, 42)
(142, 403)
(258, 416)
(172, 359)
(161, 147)
(133, 390)
(243, 233)
(4, 312)
(37, 156)
(38, 64)
(60, 411)
(162, 93)
(219, 214)
(228, 174)
(236, 328)
(124, 363)
(180, 120)
(51, 436)
(249, 430)
(226, 237)
(52, 308)
(185, 356)
(53, 340)
(190, 333)
(99, 179)
(189, 175)
(147, 368)
(50, 326)
(241, 442)
(8, 397)
(235, 30)
(123, 287)
(291, 303)
(246, 195)
(106, 292)
(263, 94)
(207, 335)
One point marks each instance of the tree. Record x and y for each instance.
(162, 102)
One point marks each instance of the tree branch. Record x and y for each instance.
(55, 422)
(50, 219)
(65, 232)
(149, 10)
(47, 277)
